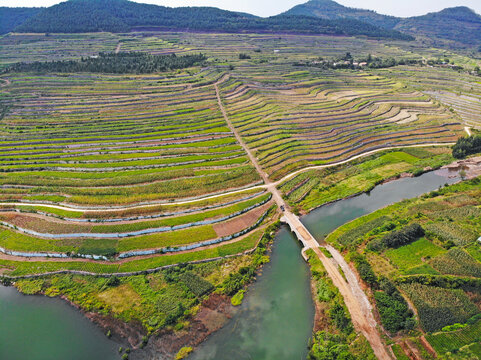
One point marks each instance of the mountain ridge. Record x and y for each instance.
(460, 24)
(75, 16)
(329, 9)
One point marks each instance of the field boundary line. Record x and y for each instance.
(233, 192)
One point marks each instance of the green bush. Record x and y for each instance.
(329, 347)
(466, 146)
(394, 310)
(364, 269)
(398, 238)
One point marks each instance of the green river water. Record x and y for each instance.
(274, 322)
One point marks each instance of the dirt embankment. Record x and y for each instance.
(212, 316)
(471, 167)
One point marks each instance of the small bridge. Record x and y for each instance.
(303, 235)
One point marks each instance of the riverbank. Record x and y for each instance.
(275, 320)
(175, 307)
(333, 334)
(313, 189)
(434, 271)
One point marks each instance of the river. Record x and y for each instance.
(274, 322)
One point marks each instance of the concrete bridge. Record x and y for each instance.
(302, 234)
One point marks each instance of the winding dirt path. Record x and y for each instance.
(468, 130)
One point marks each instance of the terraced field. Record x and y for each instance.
(462, 92)
(39, 47)
(292, 121)
(438, 271)
(138, 144)
(108, 173)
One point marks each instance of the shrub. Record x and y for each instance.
(394, 310)
(237, 298)
(364, 269)
(338, 315)
(398, 238)
(466, 146)
(183, 353)
(113, 281)
(329, 346)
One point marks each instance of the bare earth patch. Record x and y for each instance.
(241, 222)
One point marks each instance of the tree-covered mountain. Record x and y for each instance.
(10, 18)
(459, 24)
(121, 15)
(329, 9)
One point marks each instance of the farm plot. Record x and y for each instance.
(436, 272)
(438, 307)
(461, 92)
(338, 115)
(153, 139)
(132, 142)
(41, 47)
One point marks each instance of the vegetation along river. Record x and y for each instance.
(274, 322)
(276, 318)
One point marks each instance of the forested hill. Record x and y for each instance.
(10, 18)
(76, 16)
(329, 9)
(459, 24)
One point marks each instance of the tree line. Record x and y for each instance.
(121, 63)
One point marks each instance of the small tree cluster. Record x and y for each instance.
(467, 146)
(398, 238)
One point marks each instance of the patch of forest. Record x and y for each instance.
(121, 63)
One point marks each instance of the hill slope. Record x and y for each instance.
(458, 24)
(121, 15)
(329, 9)
(10, 18)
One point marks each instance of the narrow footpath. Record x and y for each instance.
(355, 299)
